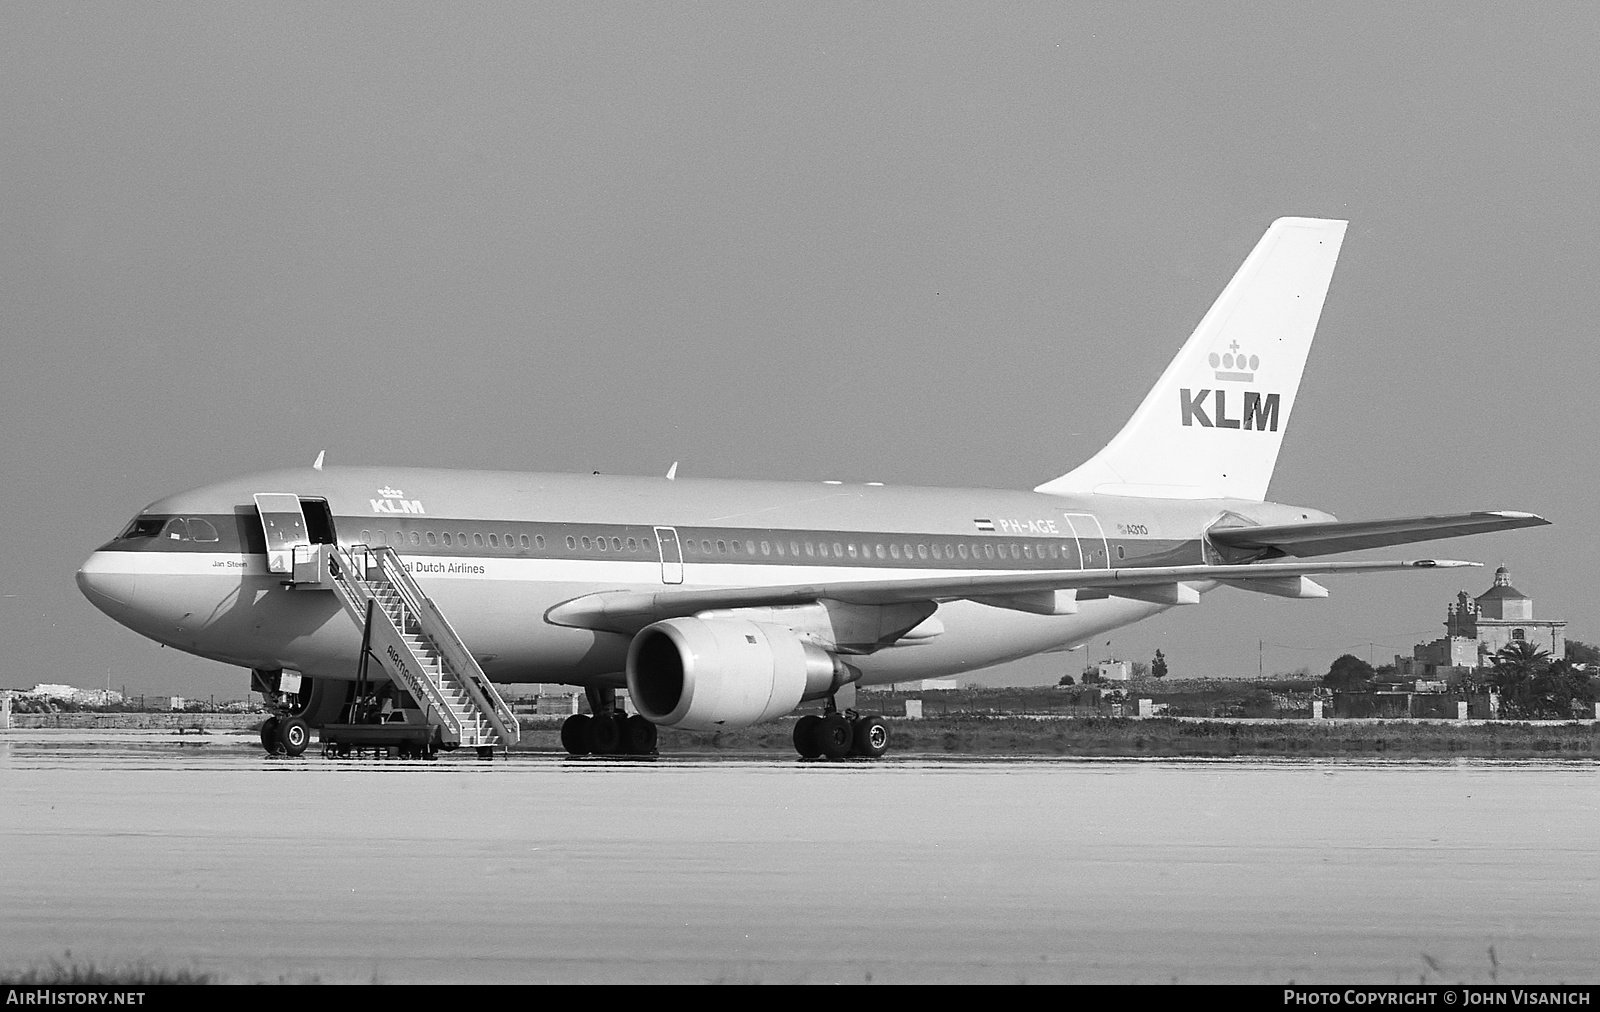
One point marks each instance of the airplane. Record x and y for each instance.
(372, 601)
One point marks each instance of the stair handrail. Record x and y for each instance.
(450, 646)
(355, 593)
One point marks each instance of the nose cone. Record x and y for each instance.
(108, 585)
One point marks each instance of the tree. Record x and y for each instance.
(1158, 667)
(1579, 652)
(1349, 673)
(1140, 669)
(1066, 680)
(1531, 685)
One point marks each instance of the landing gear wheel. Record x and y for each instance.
(295, 735)
(871, 737)
(575, 734)
(605, 737)
(805, 736)
(638, 736)
(269, 735)
(833, 736)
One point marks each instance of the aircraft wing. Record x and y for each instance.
(631, 610)
(1303, 540)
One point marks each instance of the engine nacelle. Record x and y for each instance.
(706, 674)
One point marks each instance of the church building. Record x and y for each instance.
(1476, 628)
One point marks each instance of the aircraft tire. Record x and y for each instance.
(269, 735)
(805, 736)
(295, 734)
(575, 734)
(605, 734)
(834, 736)
(871, 737)
(638, 736)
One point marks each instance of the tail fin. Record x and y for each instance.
(1212, 425)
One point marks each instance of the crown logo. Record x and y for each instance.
(394, 493)
(1234, 365)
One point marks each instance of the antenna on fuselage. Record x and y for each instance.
(672, 472)
(316, 465)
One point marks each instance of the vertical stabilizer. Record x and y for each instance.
(1212, 426)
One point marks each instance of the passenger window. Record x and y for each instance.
(735, 546)
(432, 538)
(538, 541)
(381, 538)
(477, 539)
(811, 549)
(494, 542)
(936, 552)
(794, 549)
(1027, 551)
(644, 543)
(201, 530)
(366, 538)
(523, 540)
(894, 550)
(1120, 553)
(445, 537)
(1055, 550)
(722, 548)
(633, 544)
(988, 551)
(585, 542)
(779, 546)
(852, 549)
(571, 544)
(922, 551)
(616, 544)
(963, 550)
(461, 538)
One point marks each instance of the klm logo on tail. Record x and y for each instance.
(1231, 366)
(1260, 410)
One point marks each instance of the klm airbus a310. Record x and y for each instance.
(382, 604)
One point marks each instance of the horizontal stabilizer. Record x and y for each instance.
(1302, 540)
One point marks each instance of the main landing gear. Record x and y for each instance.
(836, 735)
(608, 731)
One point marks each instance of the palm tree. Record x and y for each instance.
(1516, 667)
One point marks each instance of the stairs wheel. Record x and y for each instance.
(269, 735)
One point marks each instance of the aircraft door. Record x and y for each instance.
(284, 524)
(671, 555)
(1093, 553)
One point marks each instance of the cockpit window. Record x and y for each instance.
(176, 529)
(144, 526)
(201, 530)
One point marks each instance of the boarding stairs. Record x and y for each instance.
(414, 642)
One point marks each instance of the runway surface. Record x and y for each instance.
(540, 868)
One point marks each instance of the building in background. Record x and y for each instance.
(1476, 628)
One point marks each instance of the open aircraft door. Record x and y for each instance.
(671, 555)
(284, 524)
(1093, 553)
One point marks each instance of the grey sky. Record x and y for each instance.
(905, 243)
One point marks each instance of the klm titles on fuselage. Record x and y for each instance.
(1260, 410)
(394, 501)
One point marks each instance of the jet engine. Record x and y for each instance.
(706, 674)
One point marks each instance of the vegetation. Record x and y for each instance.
(1349, 673)
(1158, 666)
(70, 971)
(1579, 652)
(1533, 687)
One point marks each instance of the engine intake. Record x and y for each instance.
(706, 674)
